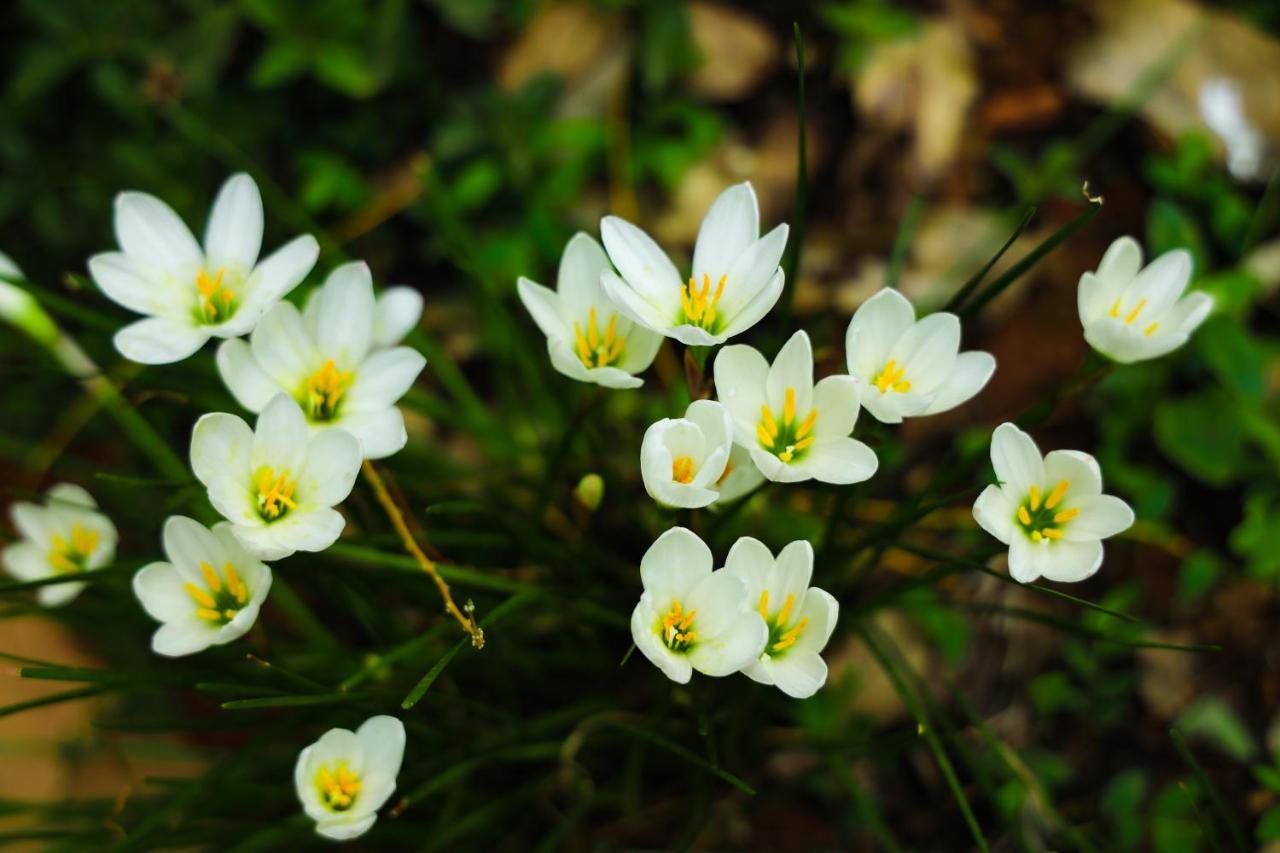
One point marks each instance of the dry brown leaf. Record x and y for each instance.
(738, 52)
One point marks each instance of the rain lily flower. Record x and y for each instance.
(396, 314)
(345, 777)
(794, 429)
(735, 280)
(690, 617)
(207, 594)
(191, 294)
(326, 361)
(586, 339)
(907, 367)
(65, 536)
(1131, 313)
(683, 460)
(800, 617)
(1049, 510)
(276, 483)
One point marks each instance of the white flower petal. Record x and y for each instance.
(752, 272)
(396, 315)
(836, 398)
(344, 323)
(730, 226)
(823, 611)
(346, 828)
(639, 350)
(158, 587)
(159, 340)
(719, 599)
(789, 576)
(220, 449)
(1080, 470)
(1101, 517)
(279, 273)
(633, 306)
(874, 329)
(773, 468)
(383, 378)
(799, 674)
(578, 278)
(189, 544)
(26, 561)
(969, 375)
(175, 639)
(1016, 459)
(740, 376)
(1191, 310)
(544, 307)
(713, 421)
(753, 312)
(927, 351)
(731, 649)
(283, 348)
(1161, 282)
(279, 437)
(643, 621)
(154, 236)
(313, 530)
(840, 461)
(332, 464)
(1026, 558)
(643, 265)
(70, 496)
(1121, 263)
(743, 476)
(120, 280)
(233, 236)
(58, 594)
(793, 368)
(751, 561)
(246, 381)
(1068, 562)
(383, 740)
(674, 563)
(380, 433)
(994, 511)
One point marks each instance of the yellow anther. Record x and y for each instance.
(201, 597)
(764, 604)
(1051, 533)
(807, 424)
(1023, 515)
(786, 608)
(1056, 495)
(1137, 309)
(275, 494)
(682, 469)
(1034, 499)
(71, 556)
(789, 638)
(789, 407)
(215, 300)
(234, 585)
(1115, 308)
(675, 626)
(1036, 536)
(593, 348)
(85, 540)
(325, 388)
(728, 469)
(767, 423)
(699, 305)
(338, 787)
(763, 435)
(1066, 515)
(211, 578)
(206, 613)
(1150, 330)
(890, 377)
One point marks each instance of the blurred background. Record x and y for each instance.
(457, 144)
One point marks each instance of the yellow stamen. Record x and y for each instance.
(786, 608)
(325, 388)
(201, 597)
(210, 577)
(230, 613)
(1066, 515)
(1133, 315)
(71, 556)
(728, 469)
(206, 613)
(215, 300)
(890, 377)
(699, 305)
(595, 349)
(1023, 515)
(593, 331)
(789, 639)
(1035, 498)
(789, 407)
(764, 604)
(338, 787)
(767, 423)
(807, 424)
(234, 585)
(682, 469)
(1115, 308)
(1150, 330)
(275, 494)
(1051, 533)
(1036, 536)
(1056, 495)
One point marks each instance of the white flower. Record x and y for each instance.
(191, 294)
(1222, 109)
(345, 777)
(277, 484)
(326, 361)
(65, 536)
(209, 592)
(800, 617)
(1050, 511)
(683, 460)
(586, 339)
(907, 367)
(397, 312)
(690, 617)
(735, 280)
(794, 429)
(1130, 315)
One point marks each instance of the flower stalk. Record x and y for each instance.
(466, 620)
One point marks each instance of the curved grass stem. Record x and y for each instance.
(466, 620)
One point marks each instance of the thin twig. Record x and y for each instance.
(466, 620)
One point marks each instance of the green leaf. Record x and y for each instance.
(1212, 720)
(1257, 538)
(1269, 825)
(1232, 355)
(1200, 434)
(1268, 776)
(1170, 227)
(1197, 575)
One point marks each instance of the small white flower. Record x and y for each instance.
(396, 314)
(209, 592)
(1131, 313)
(191, 294)
(65, 536)
(735, 281)
(345, 777)
(794, 429)
(1049, 510)
(276, 483)
(690, 617)
(683, 460)
(800, 617)
(586, 339)
(907, 367)
(325, 359)
(1222, 109)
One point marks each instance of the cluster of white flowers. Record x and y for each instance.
(772, 421)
